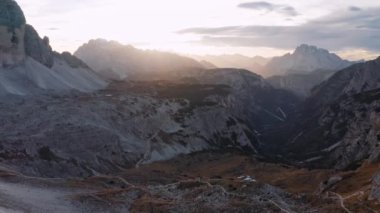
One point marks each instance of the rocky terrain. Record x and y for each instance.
(353, 80)
(337, 127)
(300, 84)
(131, 123)
(191, 183)
(28, 64)
(146, 131)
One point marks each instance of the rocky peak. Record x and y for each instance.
(309, 49)
(306, 59)
(11, 14)
(12, 31)
(37, 48)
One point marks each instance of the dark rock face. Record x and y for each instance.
(73, 61)
(252, 100)
(342, 135)
(338, 126)
(375, 190)
(11, 14)
(353, 80)
(300, 84)
(37, 48)
(12, 23)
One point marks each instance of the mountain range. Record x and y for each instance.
(115, 61)
(114, 128)
(298, 72)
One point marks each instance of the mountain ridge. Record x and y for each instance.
(306, 59)
(116, 61)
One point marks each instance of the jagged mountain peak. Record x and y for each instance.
(306, 59)
(100, 42)
(309, 49)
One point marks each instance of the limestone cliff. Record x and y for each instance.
(12, 31)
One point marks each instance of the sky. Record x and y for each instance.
(350, 28)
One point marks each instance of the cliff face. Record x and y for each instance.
(338, 125)
(37, 48)
(12, 32)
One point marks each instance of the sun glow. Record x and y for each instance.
(155, 24)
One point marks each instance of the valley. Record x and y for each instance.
(114, 128)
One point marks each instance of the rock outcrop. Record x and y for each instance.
(28, 65)
(37, 48)
(300, 84)
(353, 80)
(12, 31)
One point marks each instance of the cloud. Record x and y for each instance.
(337, 31)
(48, 8)
(52, 28)
(354, 9)
(269, 7)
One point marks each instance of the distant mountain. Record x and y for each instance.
(116, 61)
(208, 65)
(254, 64)
(28, 64)
(305, 59)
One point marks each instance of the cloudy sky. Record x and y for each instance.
(349, 27)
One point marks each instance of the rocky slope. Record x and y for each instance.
(79, 135)
(338, 124)
(29, 66)
(305, 59)
(353, 80)
(84, 135)
(116, 61)
(300, 84)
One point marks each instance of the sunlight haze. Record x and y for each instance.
(158, 25)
